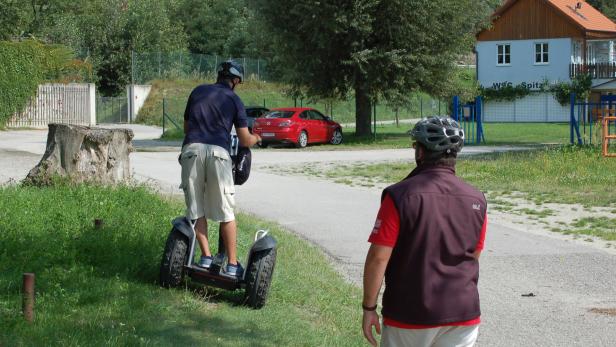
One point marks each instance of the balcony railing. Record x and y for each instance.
(596, 71)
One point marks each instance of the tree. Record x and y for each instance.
(19, 18)
(218, 27)
(377, 49)
(607, 7)
(108, 30)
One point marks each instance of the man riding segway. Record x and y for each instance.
(208, 176)
(207, 181)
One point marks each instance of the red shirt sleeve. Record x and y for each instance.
(387, 225)
(482, 237)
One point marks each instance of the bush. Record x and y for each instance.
(506, 93)
(580, 85)
(20, 73)
(24, 65)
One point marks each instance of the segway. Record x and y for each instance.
(178, 257)
(178, 260)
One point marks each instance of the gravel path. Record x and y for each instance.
(537, 288)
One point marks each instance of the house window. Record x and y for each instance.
(542, 54)
(503, 55)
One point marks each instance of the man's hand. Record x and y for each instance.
(371, 319)
(246, 138)
(374, 271)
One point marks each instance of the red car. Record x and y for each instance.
(297, 125)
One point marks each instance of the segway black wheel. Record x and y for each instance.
(259, 277)
(174, 258)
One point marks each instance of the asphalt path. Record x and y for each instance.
(537, 289)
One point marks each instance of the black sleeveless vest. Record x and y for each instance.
(431, 277)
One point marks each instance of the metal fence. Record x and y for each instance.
(58, 103)
(171, 110)
(111, 110)
(148, 66)
(586, 120)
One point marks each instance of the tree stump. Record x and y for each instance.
(84, 154)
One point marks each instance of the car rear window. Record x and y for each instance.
(280, 114)
(255, 112)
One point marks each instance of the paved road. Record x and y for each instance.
(567, 279)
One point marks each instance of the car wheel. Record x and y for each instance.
(302, 139)
(263, 145)
(336, 137)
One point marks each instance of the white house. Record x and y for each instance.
(533, 41)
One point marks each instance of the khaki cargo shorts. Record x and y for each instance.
(207, 182)
(446, 336)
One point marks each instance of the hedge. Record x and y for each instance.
(24, 65)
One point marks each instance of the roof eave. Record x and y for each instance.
(600, 34)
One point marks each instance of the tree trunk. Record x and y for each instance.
(84, 154)
(363, 111)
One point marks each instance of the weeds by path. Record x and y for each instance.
(98, 286)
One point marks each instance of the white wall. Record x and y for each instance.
(136, 94)
(523, 68)
(536, 107)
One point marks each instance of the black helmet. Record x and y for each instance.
(231, 69)
(439, 134)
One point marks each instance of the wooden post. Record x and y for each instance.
(397, 119)
(28, 297)
(607, 136)
(605, 133)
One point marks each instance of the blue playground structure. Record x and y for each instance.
(586, 120)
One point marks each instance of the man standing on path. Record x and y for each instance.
(426, 242)
(207, 179)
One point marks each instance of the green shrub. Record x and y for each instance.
(580, 85)
(506, 93)
(24, 65)
(21, 71)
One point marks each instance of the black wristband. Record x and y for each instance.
(368, 308)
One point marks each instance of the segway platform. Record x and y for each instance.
(178, 261)
(205, 276)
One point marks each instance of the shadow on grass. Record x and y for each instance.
(224, 332)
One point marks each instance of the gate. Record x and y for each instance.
(469, 116)
(58, 103)
(111, 109)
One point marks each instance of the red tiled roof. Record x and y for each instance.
(586, 16)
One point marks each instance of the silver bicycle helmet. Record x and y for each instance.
(230, 68)
(439, 134)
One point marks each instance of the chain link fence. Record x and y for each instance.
(148, 66)
(172, 109)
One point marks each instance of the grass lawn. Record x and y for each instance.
(526, 133)
(98, 286)
(564, 174)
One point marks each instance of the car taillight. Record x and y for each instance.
(285, 124)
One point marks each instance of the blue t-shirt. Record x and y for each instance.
(211, 112)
